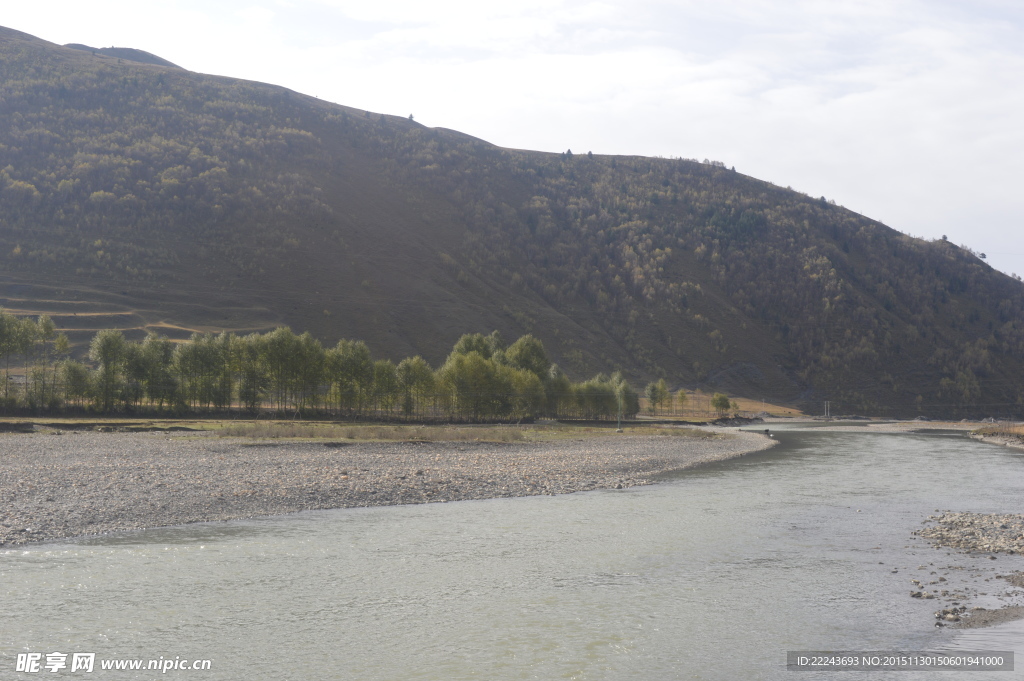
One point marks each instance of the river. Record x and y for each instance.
(714, 573)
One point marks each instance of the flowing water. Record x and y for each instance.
(714, 573)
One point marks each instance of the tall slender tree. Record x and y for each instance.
(108, 351)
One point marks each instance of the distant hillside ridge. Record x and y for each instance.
(125, 53)
(160, 200)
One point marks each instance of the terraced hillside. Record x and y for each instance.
(83, 312)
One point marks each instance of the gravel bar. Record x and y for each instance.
(988, 532)
(978, 533)
(56, 485)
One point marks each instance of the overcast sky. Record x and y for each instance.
(907, 111)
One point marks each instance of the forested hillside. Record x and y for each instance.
(149, 198)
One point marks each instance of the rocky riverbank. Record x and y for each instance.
(1005, 439)
(984, 535)
(994, 533)
(56, 485)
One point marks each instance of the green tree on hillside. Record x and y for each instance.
(528, 353)
(248, 354)
(558, 392)
(471, 384)
(350, 373)
(281, 355)
(108, 351)
(720, 402)
(77, 382)
(133, 391)
(157, 356)
(40, 385)
(485, 346)
(310, 371)
(16, 338)
(682, 399)
(385, 385)
(657, 394)
(416, 383)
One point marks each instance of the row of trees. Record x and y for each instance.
(660, 400)
(281, 372)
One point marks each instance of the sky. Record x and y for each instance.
(910, 112)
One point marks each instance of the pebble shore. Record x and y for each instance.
(984, 535)
(991, 532)
(57, 485)
(1015, 441)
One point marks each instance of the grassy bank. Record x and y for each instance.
(292, 430)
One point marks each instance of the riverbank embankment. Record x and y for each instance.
(57, 485)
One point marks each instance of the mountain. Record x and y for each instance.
(150, 198)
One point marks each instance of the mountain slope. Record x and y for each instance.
(158, 199)
(131, 53)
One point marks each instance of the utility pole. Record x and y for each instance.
(618, 394)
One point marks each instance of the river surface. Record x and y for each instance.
(714, 573)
